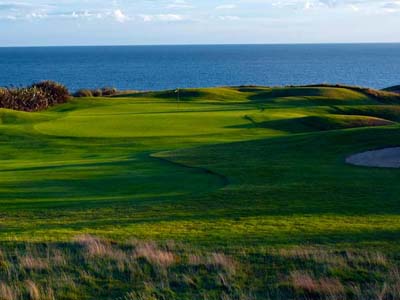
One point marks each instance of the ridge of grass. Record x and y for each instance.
(394, 89)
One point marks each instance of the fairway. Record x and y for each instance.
(245, 170)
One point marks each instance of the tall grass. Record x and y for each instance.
(56, 93)
(94, 268)
(36, 97)
(103, 92)
(83, 93)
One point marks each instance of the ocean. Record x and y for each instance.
(169, 67)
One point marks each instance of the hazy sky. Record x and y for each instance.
(98, 22)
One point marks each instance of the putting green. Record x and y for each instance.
(242, 166)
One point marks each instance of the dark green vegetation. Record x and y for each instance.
(250, 180)
(394, 89)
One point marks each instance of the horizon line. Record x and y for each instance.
(200, 44)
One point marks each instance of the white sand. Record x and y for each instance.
(384, 158)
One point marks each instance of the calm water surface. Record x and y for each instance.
(168, 67)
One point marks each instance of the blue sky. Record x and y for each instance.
(97, 22)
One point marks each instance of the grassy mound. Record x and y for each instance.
(388, 112)
(334, 122)
(205, 94)
(312, 96)
(12, 117)
(394, 89)
(314, 123)
(383, 96)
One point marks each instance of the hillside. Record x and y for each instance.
(394, 89)
(235, 192)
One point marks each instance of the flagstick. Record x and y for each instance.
(178, 95)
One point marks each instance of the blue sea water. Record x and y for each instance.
(168, 67)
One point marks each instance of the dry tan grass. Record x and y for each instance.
(7, 292)
(57, 258)
(93, 245)
(331, 286)
(33, 290)
(47, 270)
(306, 253)
(223, 261)
(96, 247)
(318, 255)
(196, 260)
(30, 262)
(154, 255)
(373, 259)
(48, 294)
(303, 281)
(337, 259)
(323, 286)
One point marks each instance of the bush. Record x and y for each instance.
(36, 97)
(97, 93)
(55, 92)
(26, 99)
(83, 93)
(393, 89)
(108, 91)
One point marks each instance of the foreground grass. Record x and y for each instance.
(251, 173)
(92, 268)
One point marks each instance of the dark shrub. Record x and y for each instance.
(36, 97)
(5, 98)
(55, 92)
(27, 99)
(393, 89)
(83, 93)
(97, 93)
(109, 91)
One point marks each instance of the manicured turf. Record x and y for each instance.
(228, 166)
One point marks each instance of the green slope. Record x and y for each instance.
(90, 165)
(394, 89)
(229, 168)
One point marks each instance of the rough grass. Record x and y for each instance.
(94, 268)
(226, 172)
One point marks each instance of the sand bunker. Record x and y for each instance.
(383, 158)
